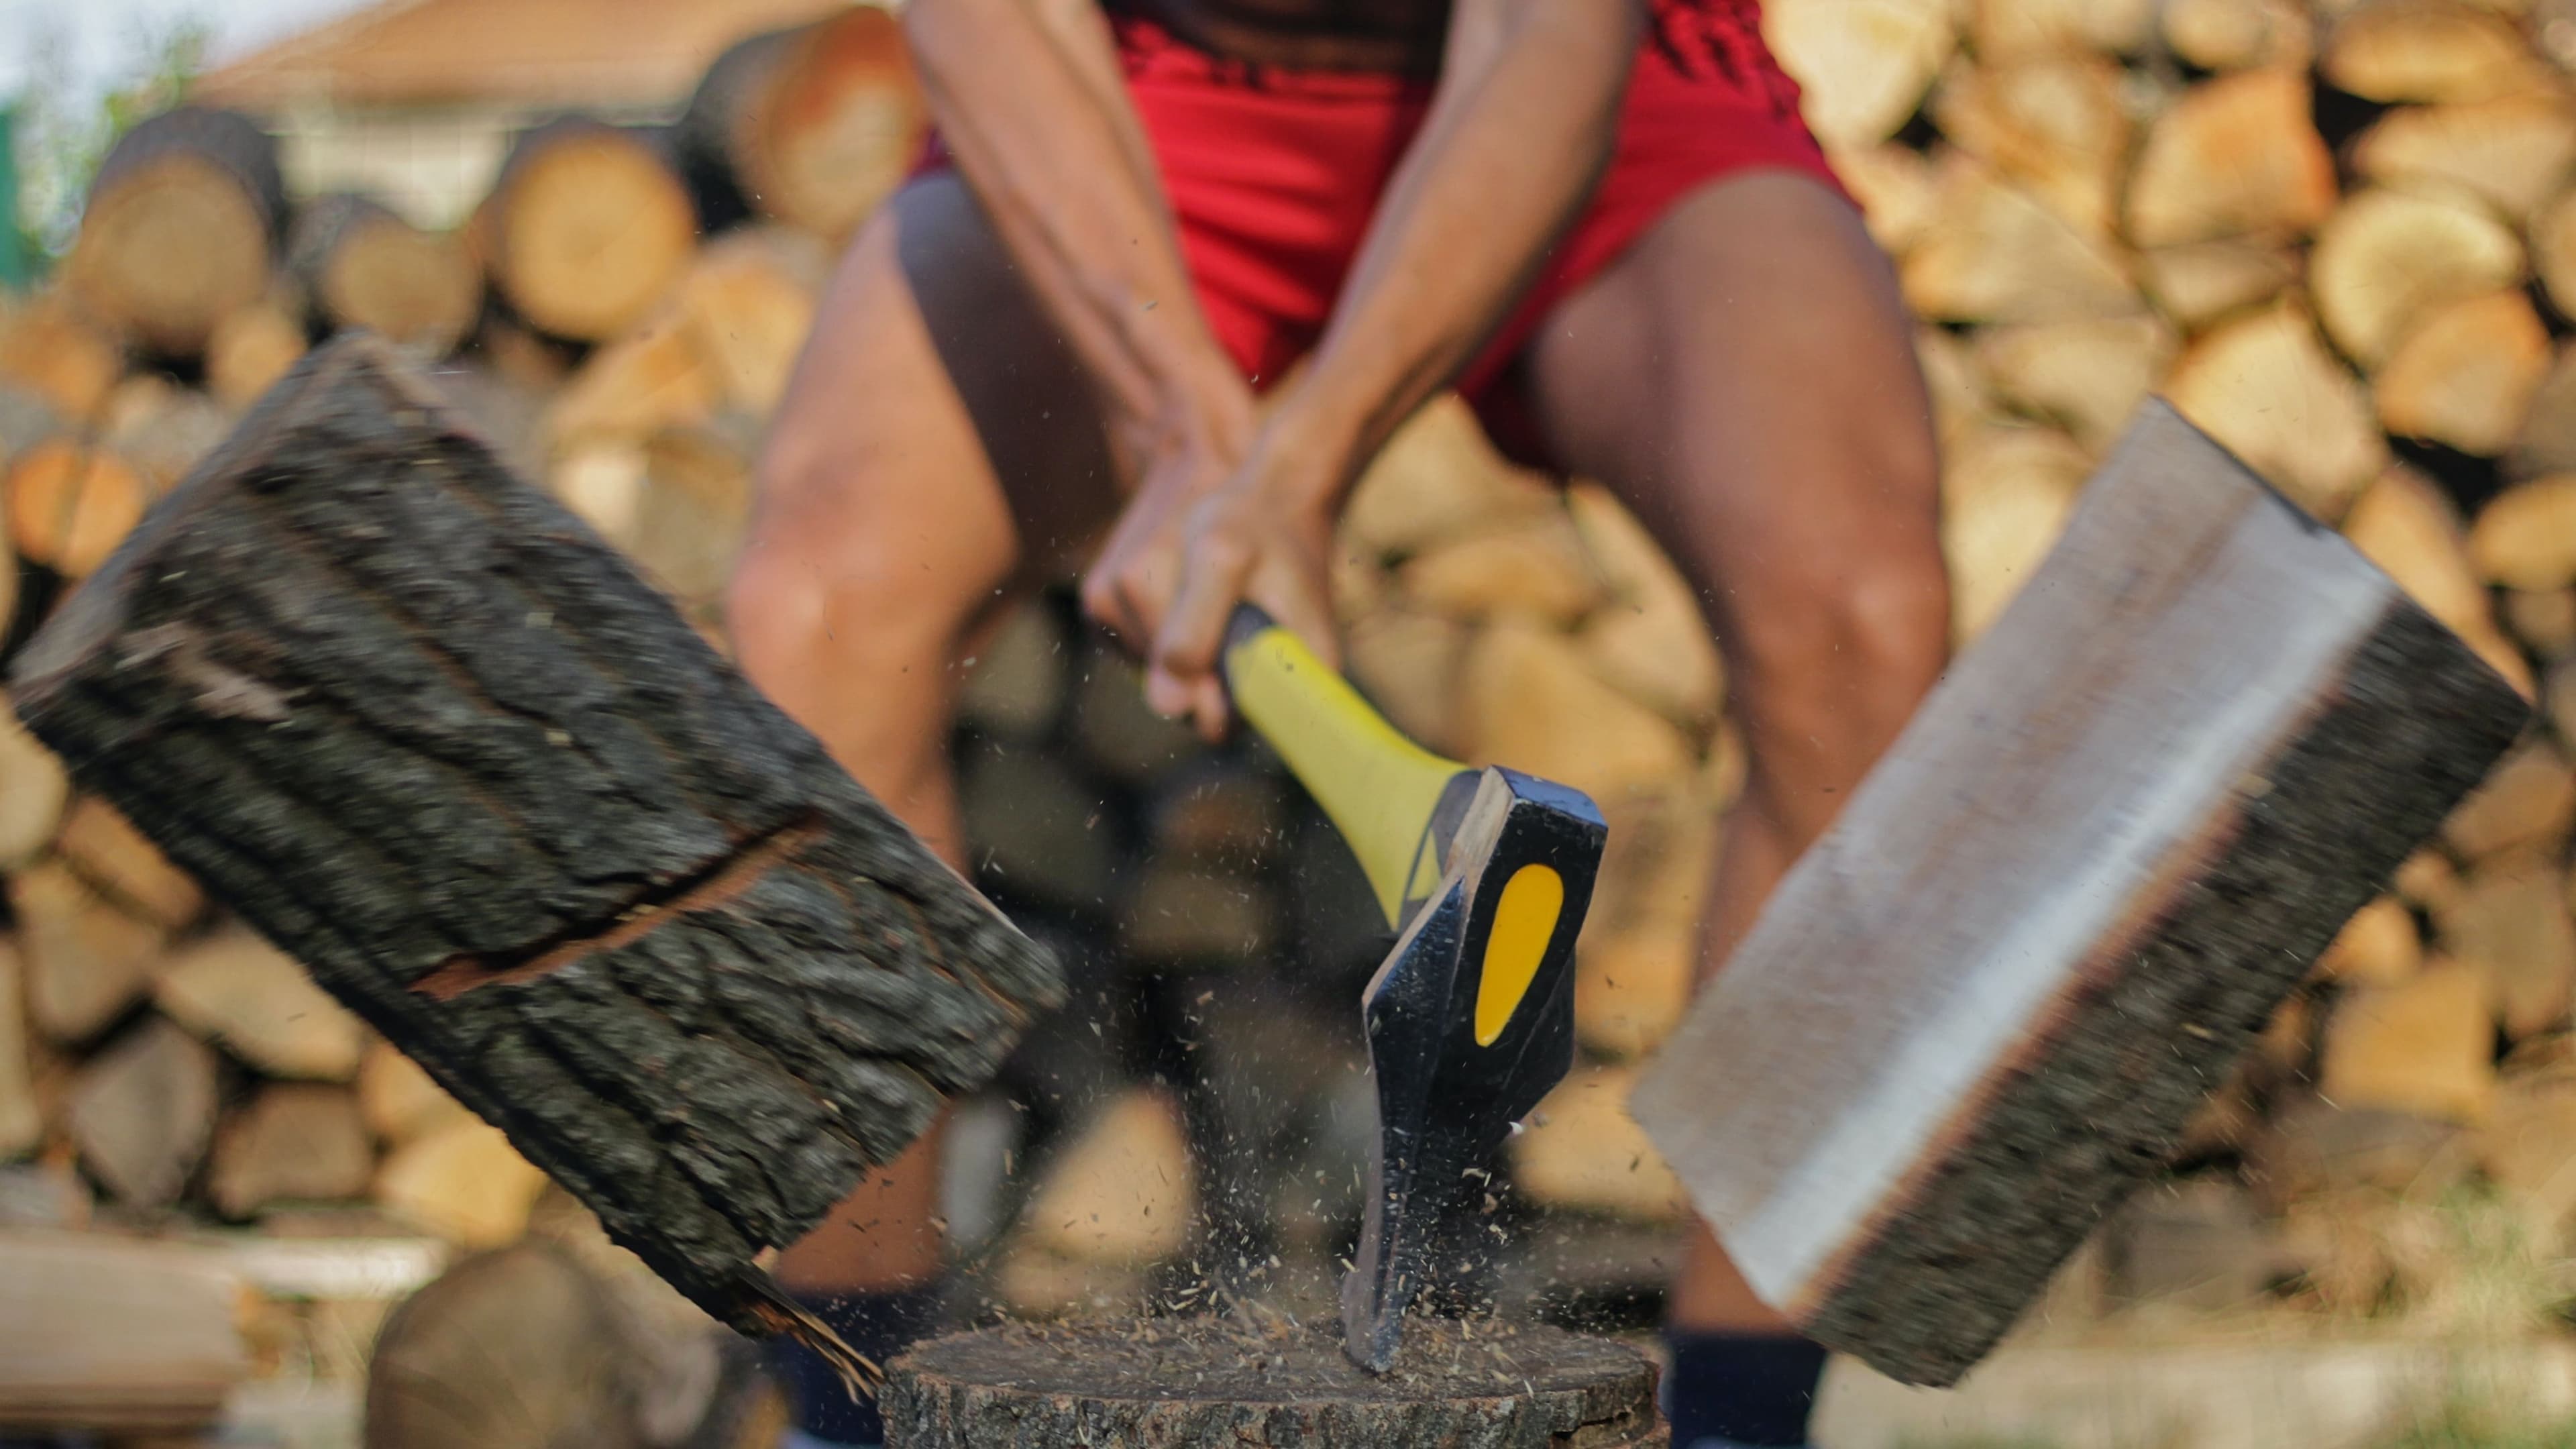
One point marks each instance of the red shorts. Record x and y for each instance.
(1274, 174)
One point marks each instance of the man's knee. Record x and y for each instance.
(833, 568)
(1837, 645)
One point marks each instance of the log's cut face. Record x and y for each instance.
(1983, 1006)
(1223, 1383)
(418, 725)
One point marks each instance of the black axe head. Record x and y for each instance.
(1470, 1022)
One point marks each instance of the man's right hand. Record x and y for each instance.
(1178, 460)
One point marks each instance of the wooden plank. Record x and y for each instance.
(1985, 1004)
(115, 1334)
(419, 727)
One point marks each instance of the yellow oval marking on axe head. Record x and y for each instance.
(1524, 922)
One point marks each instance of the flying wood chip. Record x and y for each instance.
(416, 723)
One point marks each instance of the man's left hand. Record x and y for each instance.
(1265, 536)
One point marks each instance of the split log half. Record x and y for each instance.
(363, 266)
(2199, 283)
(588, 227)
(1898, 189)
(2466, 374)
(2430, 50)
(2053, 123)
(2239, 34)
(2236, 155)
(2005, 497)
(33, 791)
(413, 722)
(181, 226)
(2266, 386)
(141, 1112)
(2547, 442)
(86, 960)
(291, 1144)
(108, 852)
(2089, 375)
(811, 126)
(22, 1123)
(2553, 251)
(2006, 29)
(1863, 65)
(2513, 153)
(1182, 1383)
(1994, 253)
(247, 996)
(747, 305)
(2525, 538)
(1902, 1178)
(2387, 257)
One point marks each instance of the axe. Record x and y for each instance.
(1485, 875)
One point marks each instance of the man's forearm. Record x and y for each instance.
(1524, 119)
(1028, 97)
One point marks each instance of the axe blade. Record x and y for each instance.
(1470, 1023)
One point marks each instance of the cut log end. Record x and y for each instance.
(1189, 1382)
(589, 227)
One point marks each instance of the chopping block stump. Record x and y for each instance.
(1189, 1382)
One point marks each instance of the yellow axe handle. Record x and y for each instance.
(1378, 787)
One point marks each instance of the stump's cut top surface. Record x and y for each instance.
(1173, 1382)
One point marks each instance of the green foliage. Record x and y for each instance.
(64, 129)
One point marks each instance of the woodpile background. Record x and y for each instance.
(2340, 236)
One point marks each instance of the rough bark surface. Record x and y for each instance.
(419, 726)
(1179, 1383)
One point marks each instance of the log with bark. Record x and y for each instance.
(1183, 1382)
(587, 228)
(360, 265)
(418, 726)
(810, 126)
(181, 227)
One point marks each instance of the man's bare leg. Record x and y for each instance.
(1745, 378)
(884, 538)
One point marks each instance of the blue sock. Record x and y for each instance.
(1748, 1389)
(879, 1325)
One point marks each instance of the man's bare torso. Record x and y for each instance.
(1370, 35)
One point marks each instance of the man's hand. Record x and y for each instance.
(1265, 537)
(1204, 533)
